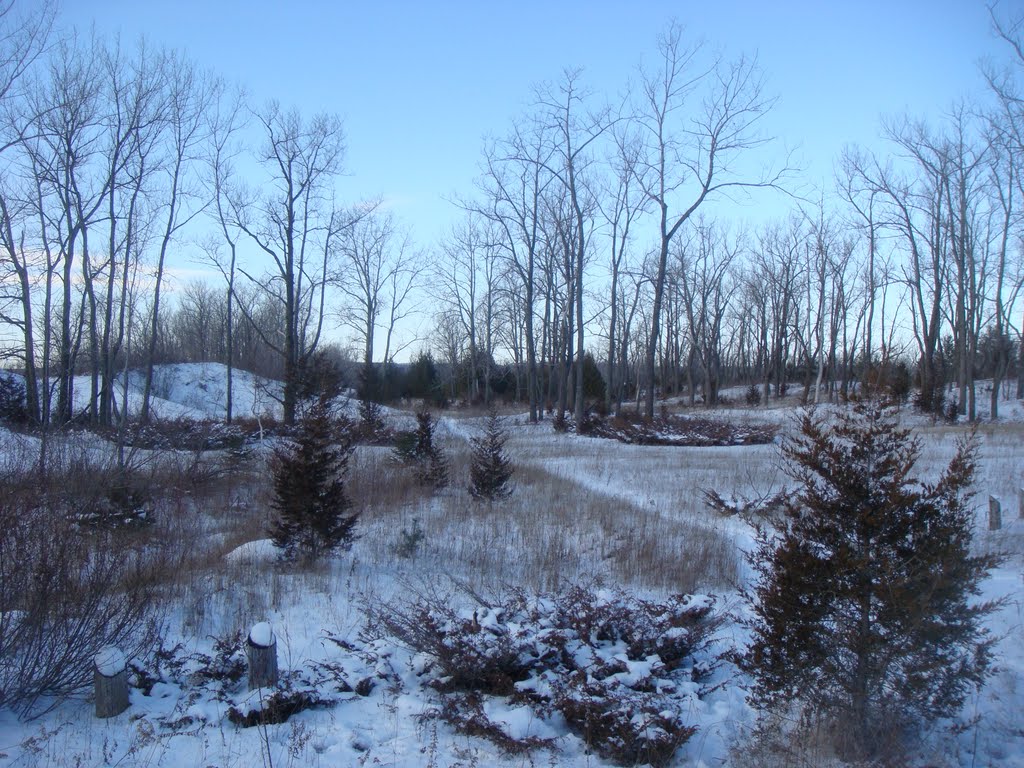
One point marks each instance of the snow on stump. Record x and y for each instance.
(261, 652)
(995, 514)
(110, 682)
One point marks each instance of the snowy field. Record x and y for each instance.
(584, 511)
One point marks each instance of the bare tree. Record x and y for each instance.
(375, 271)
(706, 261)
(620, 205)
(466, 285)
(62, 144)
(863, 203)
(509, 321)
(1007, 129)
(562, 117)
(776, 267)
(190, 94)
(513, 187)
(916, 212)
(689, 149)
(934, 208)
(226, 118)
(134, 115)
(294, 223)
(23, 38)
(1005, 169)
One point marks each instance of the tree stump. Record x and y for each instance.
(995, 514)
(110, 682)
(261, 652)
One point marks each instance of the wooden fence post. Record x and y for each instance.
(110, 682)
(1020, 503)
(995, 515)
(261, 652)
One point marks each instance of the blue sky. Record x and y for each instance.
(419, 84)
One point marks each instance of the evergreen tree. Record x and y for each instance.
(422, 381)
(491, 470)
(369, 393)
(318, 376)
(313, 511)
(425, 456)
(13, 405)
(863, 608)
(593, 381)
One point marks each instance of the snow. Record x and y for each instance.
(317, 618)
(110, 661)
(258, 551)
(262, 635)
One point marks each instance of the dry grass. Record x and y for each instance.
(552, 531)
(582, 509)
(1000, 474)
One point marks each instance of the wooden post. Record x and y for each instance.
(110, 682)
(995, 515)
(261, 652)
(1020, 503)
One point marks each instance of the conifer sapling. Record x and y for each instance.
(313, 510)
(428, 460)
(864, 606)
(491, 469)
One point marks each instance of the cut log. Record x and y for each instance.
(995, 514)
(261, 652)
(110, 682)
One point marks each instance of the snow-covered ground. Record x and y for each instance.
(583, 510)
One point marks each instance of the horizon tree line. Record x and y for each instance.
(593, 231)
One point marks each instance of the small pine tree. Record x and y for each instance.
(422, 381)
(13, 407)
(318, 376)
(491, 470)
(429, 461)
(313, 516)
(369, 392)
(753, 396)
(863, 608)
(593, 381)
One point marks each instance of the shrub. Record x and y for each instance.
(221, 676)
(125, 502)
(491, 469)
(670, 429)
(422, 381)
(313, 516)
(409, 541)
(290, 697)
(898, 382)
(64, 595)
(864, 608)
(465, 713)
(619, 670)
(951, 412)
(188, 435)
